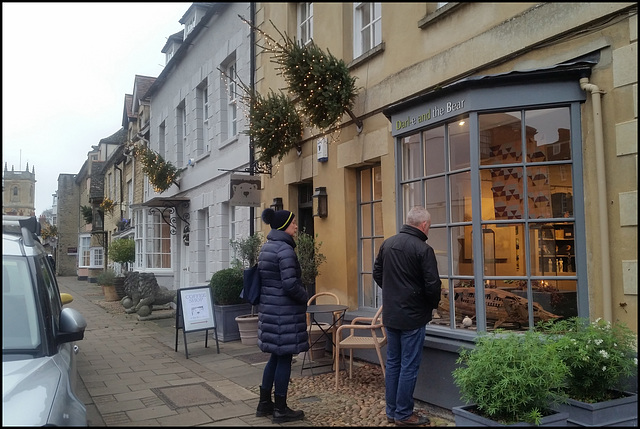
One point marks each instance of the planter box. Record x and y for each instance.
(110, 293)
(617, 412)
(464, 417)
(226, 324)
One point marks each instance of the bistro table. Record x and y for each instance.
(338, 311)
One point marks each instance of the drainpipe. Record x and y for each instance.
(602, 196)
(252, 83)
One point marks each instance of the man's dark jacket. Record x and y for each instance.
(407, 271)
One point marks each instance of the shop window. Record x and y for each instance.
(522, 217)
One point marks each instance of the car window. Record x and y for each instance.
(19, 315)
(53, 293)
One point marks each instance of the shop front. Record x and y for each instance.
(497, 161)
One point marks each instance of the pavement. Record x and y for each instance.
(130, 373)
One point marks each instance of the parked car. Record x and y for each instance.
(38, 335)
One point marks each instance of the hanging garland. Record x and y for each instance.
(322, 82)
(108, 205)
(162, 174)
(274, 124)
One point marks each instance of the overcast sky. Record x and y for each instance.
(66, 68)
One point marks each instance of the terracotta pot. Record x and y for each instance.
(110, 293)
(248, 327)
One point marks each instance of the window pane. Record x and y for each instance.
(460, 190)
(438, 240)
(502, 192)
(459, 144)
(503, 252)
(434, 152)
(550, 191)
(500, 138)
(552, 249)
(411, 157)
(462, 250)
(436, 200)
(365, 186)
(548, 134)
(410, 196)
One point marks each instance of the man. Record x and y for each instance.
(407, 271)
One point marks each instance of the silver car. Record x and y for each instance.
(38, 335)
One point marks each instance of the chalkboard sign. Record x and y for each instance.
(195, 312)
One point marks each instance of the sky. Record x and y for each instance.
(66, 68)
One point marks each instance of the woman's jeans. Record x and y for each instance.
(277, 372)
(404, 353)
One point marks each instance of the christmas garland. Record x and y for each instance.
(274, 124)
(162, 174)
(321, 83)
(107, 205)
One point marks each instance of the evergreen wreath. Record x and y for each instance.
(322, 82)
(274, 124)
(162, 174)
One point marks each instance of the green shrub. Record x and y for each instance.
(226, 286)
(122, 251)
(599, 355)
(512, 377)
(106, 278)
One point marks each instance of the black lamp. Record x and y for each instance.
(277, 204)
(320, 208)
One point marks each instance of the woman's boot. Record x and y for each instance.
(265, 406)
(282, 413)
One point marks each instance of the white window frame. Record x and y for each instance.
(305, 22)
(84, 251)
(367, 20)
(151, 233)
(97, 257)
(232, 99)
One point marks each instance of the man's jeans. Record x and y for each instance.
(404, 353)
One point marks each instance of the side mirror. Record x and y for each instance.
(72, 326)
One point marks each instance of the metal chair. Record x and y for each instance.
(331, 298)
(374, 336)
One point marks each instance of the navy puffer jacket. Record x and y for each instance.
(282, 321)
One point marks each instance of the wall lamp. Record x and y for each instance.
(320, 208)
(277, 204)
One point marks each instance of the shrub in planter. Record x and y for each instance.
(226, 286)
(106, 278)
(512, 377)
(599, 355)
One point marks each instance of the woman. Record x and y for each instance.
(282, 324)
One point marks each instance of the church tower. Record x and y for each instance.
(19, 191)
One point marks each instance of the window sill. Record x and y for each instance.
(367, 56)
(438, 14)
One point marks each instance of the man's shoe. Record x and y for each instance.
(390, 420)
(414, 420)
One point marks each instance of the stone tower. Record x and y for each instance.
(19, 191)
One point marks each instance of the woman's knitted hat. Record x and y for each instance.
(279, 220)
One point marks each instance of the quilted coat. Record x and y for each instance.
(282, 322)
(407, 270)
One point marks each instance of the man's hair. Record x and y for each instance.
(417, 215)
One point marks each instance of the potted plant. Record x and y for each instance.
(247, 251)
(123, 252)
(310, 258)
(599, 355)
(510, 379)
(226, 286)
(107, 279)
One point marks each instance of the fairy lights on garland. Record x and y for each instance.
(274, 124)
(162, 174)
(319, 82)
(322, 82)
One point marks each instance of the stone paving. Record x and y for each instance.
(131, 375)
